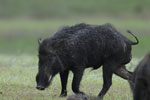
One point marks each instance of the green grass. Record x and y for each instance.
(20, 36)
(17, 81)
(18, 64)
(66, 8)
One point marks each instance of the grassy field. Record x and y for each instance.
(18, 54)
(22, 22)
(17, 81)
(66, 8)
(20, 36)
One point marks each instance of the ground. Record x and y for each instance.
(18, 58)
(17, 81)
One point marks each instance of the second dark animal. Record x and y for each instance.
(140, 82)
(74, 48)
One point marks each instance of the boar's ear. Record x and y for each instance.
(39, 41)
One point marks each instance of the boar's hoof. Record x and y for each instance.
(63, 94)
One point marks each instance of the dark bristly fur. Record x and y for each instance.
(140, 82)
(74, 48)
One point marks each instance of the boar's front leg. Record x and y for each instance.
(77, 76)
(64, 79)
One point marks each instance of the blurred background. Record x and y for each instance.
(22, 22)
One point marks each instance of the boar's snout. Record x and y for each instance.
(40, 88)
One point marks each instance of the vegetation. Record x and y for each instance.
(20, 36)
(18, 56)
(22, 22)
(66, 8)
(17, 81)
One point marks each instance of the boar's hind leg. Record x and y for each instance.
(64, 78)
(123, 73)
(77, 76)
(107, 79)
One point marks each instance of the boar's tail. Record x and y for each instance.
(137, 40)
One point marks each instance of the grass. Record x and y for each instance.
(18, 64)
(47, 9)
(17, 81)
(20, 36)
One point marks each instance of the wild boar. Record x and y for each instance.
(74, 48)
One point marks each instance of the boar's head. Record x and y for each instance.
(49, 65)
